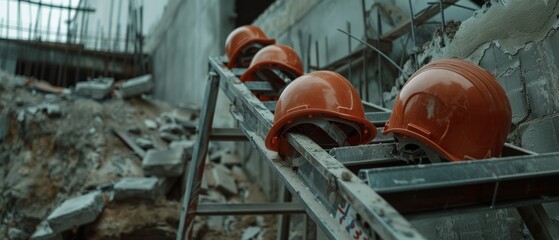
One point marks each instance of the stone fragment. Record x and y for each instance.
(163, 163)
(76, 211)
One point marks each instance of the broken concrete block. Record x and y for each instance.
(96, 89)
(186, 145)
(44, 232)
(136, 86)
(251, 233)
(144, 143)
(137, 187)
(21, 116)
(150, 124)
(164, 163)
(208, 176)
(134, 130)
(239, 174)
(76, 212)
(224, 182)
(212, 196)
(172, 128)
(169, 137)
(230, 160)
(66, 92)
(32, 110)
(53, 110)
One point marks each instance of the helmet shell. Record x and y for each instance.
(242, 37)
(320, 94)
(457, 108)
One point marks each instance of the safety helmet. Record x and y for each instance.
(454, 107)
(324, 106)
(243, 43)
(274, 57)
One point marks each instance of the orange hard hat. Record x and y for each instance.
(324, 106)
(239, 41)
(279, 57)
(454, 107)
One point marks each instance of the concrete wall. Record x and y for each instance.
(294, 23)
(106, 27)
(194, 31)
(518, 44)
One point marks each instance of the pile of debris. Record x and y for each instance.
(72, 167)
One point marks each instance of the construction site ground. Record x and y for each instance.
(56, 147)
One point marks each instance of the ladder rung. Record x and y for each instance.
(260, 86)
(248, 208)
(378, 118)
(239, 71)
(227, 134)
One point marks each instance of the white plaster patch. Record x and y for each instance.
(509, 25)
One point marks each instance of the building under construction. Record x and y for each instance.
(309, 119)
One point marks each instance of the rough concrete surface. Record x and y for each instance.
(47, 161)
(506, 24)
(136, 86)
(44, 232)
(136, 188)
(76, 211)
(164, 163)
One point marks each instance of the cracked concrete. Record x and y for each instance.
(505, 24)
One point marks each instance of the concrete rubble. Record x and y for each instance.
(140, 187)
(76, 211)
(44, 232)
(93, 184)
(96, 89)
(251, 233)
(144, 143)
(164, 163)
(136, 86)
(150, 124)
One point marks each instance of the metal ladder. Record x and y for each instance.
(193, 178)
(345, 206)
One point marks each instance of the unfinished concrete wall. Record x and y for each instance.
(310, 27)
(106, 27)
(193, 31)
(518, 45)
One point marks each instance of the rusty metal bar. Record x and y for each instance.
(196, 170)
(58, 6)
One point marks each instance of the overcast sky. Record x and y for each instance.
(29, 13)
